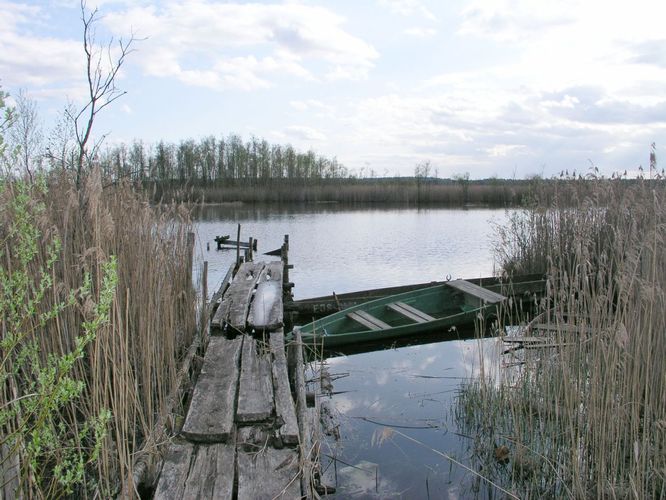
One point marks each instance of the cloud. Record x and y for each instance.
(29, 60)
(513, 20)
(593, 105)
(408, 8)
(244, 46)
(313, 105)
(305, 133)
(648, 52)
(419, 32)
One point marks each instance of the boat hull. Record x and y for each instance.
(419, 311)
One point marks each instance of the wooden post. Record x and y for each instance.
(249, 248)
(285, 260)
(204, 296)
(238, 247)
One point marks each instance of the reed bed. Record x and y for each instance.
(109, 285)
(582, 414)
(408, 191)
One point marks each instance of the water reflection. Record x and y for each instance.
(394, 411)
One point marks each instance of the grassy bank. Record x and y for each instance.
(584, 415)
(98, 307)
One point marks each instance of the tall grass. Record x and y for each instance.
(584, 415)
(129, 366)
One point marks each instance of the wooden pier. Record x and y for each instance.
(249, 431)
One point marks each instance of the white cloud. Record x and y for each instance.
(420, 32)
(408, 8)
(313, 105)
(30, 60)
(514, 20)
(305, 133)
(244, 46)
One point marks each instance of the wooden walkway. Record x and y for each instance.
(247, 433)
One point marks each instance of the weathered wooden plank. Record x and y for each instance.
(9, 473)
(211, 414)
(266, 311)
(410, 312)
(216, 322)
(297, 369)
(212, 472)
(255, 437)
(368, 320)
(255, 391)
(268, 474)
(235, 304)
(477, 291)
(175, 470)
(284, 403)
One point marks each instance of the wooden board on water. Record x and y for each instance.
(562, 328)
(268, 474)
(235, 304)
(255, 392)
(212, 472)
(174, 472)
(487, 296)
(266, 311)
(284, 403)
(211, 414)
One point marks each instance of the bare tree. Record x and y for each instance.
(103, 62)
(26, 134)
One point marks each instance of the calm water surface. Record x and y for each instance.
(394, 405)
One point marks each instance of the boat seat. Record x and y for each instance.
(368, 320)
(410, 312)
(484, 295)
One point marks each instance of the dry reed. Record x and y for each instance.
(130, 366)
(585, 415)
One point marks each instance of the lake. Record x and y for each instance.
(394, 405)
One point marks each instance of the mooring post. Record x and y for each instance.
(284, 257)
(238, 247)
(204, 296)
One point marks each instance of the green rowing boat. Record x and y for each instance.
(453, 303)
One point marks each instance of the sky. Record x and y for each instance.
(490, 88)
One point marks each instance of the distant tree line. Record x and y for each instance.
(228, 160)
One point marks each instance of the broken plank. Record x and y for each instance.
(255, 390)
(255, 437)
(235, 303)
(212, 472)
(174, 473)
(268, 474)
(215, 302)
(284, 403)
(211, 414)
